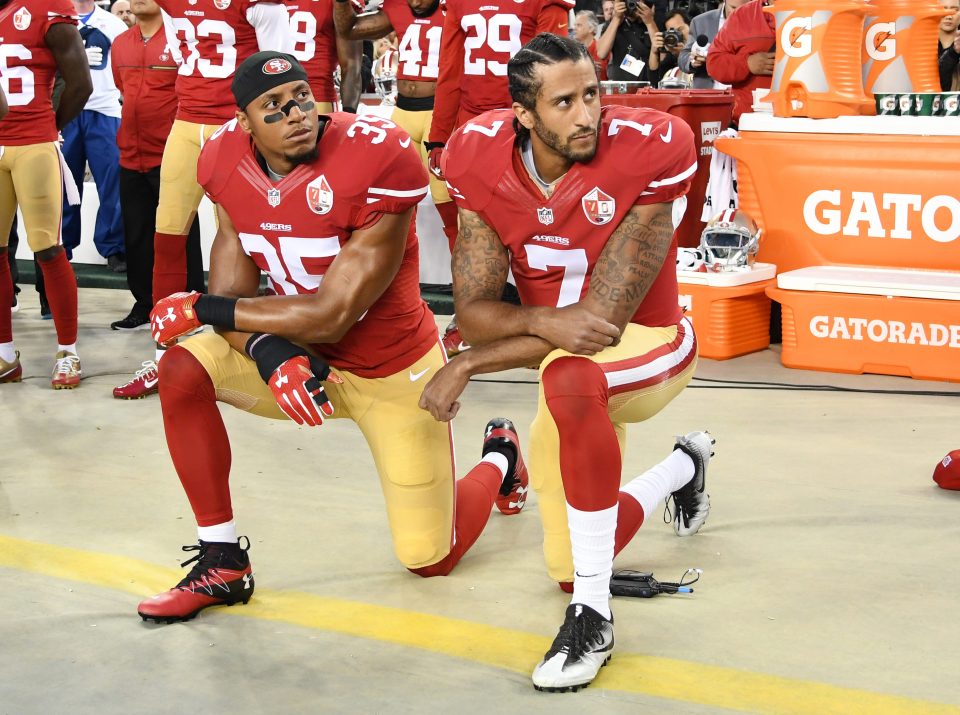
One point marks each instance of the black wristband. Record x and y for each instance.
(271, 351)
(430, 146)
(217, 311)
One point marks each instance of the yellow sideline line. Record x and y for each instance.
(497, 647)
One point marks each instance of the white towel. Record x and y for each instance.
(721, 191)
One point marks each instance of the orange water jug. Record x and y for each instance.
(897, 41)
(818, 71)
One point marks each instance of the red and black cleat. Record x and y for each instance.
(221, 576)
(501, 436)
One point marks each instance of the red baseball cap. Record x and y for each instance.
(947, 472)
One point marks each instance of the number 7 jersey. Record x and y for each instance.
(643, 157)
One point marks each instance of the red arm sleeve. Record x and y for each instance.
(724, 63)
(447, 103)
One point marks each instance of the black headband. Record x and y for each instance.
(263, 71)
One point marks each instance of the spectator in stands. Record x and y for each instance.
(626, 42)
(92, 137)
(121, 8)
(585, 27)
(742, 54)
(708, 24)
(667, 45)
(607, 8)
(948, 49)
(145, 73)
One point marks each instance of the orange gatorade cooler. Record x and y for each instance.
(730, 312)
(856, 319)
(898, 35)
(818, 70)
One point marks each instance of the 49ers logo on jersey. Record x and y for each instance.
(319, 195)
(598, 207)
(21, 19)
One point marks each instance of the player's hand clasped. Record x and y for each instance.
(173, 317)
(440, 395)
(577, 330)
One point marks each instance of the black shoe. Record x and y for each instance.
(117, 263)
(583, 645)
(136, 320)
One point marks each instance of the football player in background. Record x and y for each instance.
(320, 49)
(40, 37)
(208, 39)
(581, 202)
(344, 188)
(479, 38)
(419, 25)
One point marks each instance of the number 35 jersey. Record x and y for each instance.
(27, 68)
(294, 229)
(643, 157)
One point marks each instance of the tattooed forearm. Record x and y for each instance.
(480, 261)
(630, 262)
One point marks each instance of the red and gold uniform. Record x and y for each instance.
(209, 39)
(314, 40)
(293, 230)
(643, 157)
(28, 135)
(479, 38)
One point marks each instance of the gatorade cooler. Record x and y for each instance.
(898, 35)
(856, 320)
(818, 71)
(708, 112)
(730, 312)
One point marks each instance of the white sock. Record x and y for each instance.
(659, 482)
(159, 354)
(225, 533)
(592, 536)
(499, 461)
(72, 348)
(7, 352)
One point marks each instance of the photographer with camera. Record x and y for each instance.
(667, 46)
(627, 42)
(703, 29)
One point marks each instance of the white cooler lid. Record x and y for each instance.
(941, 285)
(909, 126)
(758, 272)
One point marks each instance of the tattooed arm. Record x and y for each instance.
(480, 265)
(630, 263)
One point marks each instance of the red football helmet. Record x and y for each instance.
(947, 473)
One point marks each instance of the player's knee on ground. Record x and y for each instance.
(573, 376)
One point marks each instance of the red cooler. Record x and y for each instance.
(708, 112)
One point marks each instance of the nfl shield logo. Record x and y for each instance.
(598, 207)
(273, 197)
(319, 195)
(545, 216)
(221, 4)
(21, 19)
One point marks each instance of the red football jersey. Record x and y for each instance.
(315, 44)
(479, 38)
(419, 39)
(644, 157)
(213, 37)
(293, 229)
(27, 69)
